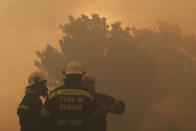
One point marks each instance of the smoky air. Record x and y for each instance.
(134, 49)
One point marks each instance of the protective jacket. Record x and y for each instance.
(29, 112)
(69, 107)
(106, 104)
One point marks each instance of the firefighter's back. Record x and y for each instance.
(70, 106)
(70, 109)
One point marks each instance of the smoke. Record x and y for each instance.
(8, 114)
(172, 114)
(27, 26)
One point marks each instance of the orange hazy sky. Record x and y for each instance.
(28, 25)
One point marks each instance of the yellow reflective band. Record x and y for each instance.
(45, 112)
(75, 92)
(52, 95)
(23, 107)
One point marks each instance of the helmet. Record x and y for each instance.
(37, 83)
(36, 77)
(88, 83)
(88, 79)
(74, 68)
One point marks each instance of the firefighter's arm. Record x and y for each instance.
(110, 104)
(120, 107)
(49, 104)
(23, 112)
(116, 107)
(46, 113)
(29, 109)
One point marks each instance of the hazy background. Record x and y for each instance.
(27, 26)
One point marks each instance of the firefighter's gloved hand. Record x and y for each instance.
(121, 107)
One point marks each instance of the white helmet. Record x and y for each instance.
(74, 68)
(36, 77)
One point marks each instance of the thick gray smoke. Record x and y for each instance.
(152, 70)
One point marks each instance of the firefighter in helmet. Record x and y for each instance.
(70, 107)
(105, 104)
(88, 83)
(29, 110)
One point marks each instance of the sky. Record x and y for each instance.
(29, 25)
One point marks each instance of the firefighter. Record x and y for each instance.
(105, 105)
(70, 107)
(88, 83)
(29, 110)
